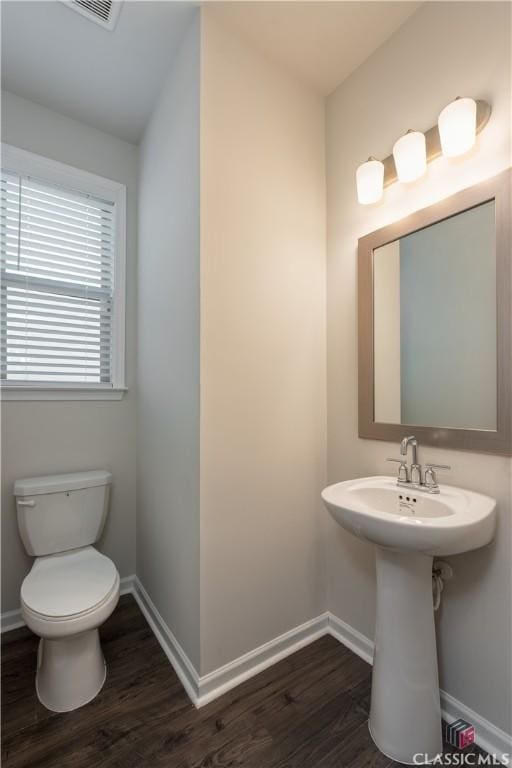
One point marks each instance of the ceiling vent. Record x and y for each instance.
(102, 12)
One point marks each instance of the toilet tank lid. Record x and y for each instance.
(74, 481)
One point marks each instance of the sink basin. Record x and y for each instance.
(408, 528)
(377, 510)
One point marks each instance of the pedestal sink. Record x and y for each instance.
(409, 529)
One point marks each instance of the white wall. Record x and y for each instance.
(41, 438)
(443, 50)
(168, 350)
(262, 347)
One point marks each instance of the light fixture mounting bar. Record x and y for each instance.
(433, 142)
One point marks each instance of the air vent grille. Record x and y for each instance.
(102, 12)
(100, 8)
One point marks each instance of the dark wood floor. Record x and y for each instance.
(308, 711)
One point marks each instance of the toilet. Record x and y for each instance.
(71, 588)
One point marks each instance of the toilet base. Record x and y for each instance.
(70, 671)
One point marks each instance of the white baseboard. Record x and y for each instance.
(127, 585)
(223, 679)
(204, 689)
(351, 638)
(11, 620)
(14, 620)
(490, 738)
(180, 662)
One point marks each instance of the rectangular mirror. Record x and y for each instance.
(434, 324)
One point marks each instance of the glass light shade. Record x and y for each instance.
(457, 127)
(410, 156)
(370, 181)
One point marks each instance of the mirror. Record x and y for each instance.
(434, 324)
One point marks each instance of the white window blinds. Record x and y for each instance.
(57, 284)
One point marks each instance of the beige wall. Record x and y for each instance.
(41, 438)
(445, 49)
(168, 351)
(262, 348)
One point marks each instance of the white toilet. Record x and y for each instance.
(72, 588)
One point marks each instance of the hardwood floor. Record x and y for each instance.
(308, 711)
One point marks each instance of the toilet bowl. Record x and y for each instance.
(71, 588)
(64, 599)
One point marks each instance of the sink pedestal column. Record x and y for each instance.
(405, 716)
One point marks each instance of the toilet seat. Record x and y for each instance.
(69, 585)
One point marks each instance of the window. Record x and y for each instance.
(62, 281)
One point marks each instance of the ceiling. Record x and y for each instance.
(321, 42)
(111, 80)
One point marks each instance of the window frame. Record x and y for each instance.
(23, 162)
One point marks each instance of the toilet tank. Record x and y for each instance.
(61, 512)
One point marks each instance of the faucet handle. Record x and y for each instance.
(403, 472)
(430, 475)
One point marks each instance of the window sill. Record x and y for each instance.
(61, 393)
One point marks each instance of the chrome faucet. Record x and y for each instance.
(415, 473)
(410, 477)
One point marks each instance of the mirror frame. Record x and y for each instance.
(486, 441)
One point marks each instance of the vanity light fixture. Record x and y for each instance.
(370, 181)
(410, 156)
(457, 127)
(459, 124)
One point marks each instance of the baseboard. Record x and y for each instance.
(11, 620)
(223, 679)
(351, 638)
(490, 738)
(14, 620)
(202, 690)
(127, 585)
(179, 660)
